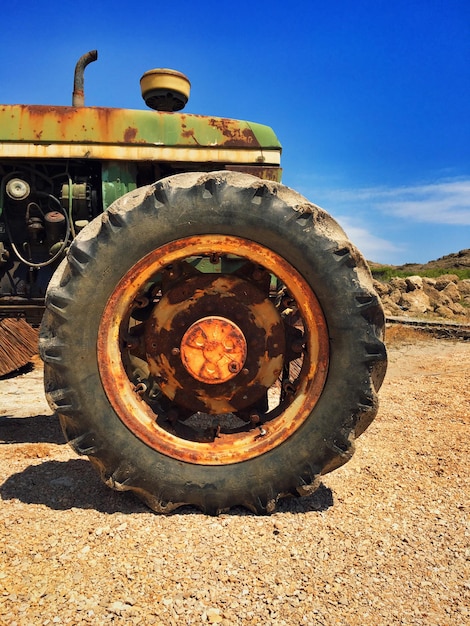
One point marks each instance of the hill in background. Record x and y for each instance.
(455, 261)
(438, 289)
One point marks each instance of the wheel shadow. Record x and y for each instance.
(31, 429)
(319, 501)
(63, 485)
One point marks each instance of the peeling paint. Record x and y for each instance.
(99, 126)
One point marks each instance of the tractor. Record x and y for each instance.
(210, 337)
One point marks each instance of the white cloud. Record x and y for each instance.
(371, 246)
(401, 224)
(442, 202)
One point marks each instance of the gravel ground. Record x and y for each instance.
(385, 540)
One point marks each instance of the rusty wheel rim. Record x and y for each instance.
(160, 387)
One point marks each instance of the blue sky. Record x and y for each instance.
(370, 99)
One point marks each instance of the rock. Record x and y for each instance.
(464, 287)
(398, 283)
(214, 616)
(445, 279)
(452, 291)
(457, 308)
(395, 296)
(413, 283)
(391, 309)
(416, 302)
(118, 607)
(430, 290)
(445, 296)
(383, 289)
(441, 299)
(444, 311)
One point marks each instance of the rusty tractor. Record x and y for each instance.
(209, 336)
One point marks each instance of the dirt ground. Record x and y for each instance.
(385, 540)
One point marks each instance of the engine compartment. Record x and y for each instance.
(42, 207)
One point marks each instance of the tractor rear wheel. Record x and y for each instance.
(213, 340)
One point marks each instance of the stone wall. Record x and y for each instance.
(415, 296)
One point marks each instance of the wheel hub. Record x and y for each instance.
(213, 350)
(214, 343)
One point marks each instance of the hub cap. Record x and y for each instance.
(213, 350)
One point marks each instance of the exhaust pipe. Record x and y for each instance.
(78, 98)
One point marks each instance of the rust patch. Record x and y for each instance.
(232, 132)
(266, 172)
(130, 134)
(188, 133)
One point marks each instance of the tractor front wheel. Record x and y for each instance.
(213, 340)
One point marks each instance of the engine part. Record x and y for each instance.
(17, 189)
(55, 226)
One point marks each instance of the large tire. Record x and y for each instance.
(287, 309)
